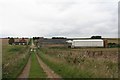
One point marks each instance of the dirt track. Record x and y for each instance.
(26, 70)
(50, 73)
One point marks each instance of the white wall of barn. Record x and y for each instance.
(88, 43)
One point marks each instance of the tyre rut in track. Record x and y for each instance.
(50, 73)
(26, 70)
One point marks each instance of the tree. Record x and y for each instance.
(11, 41)
(36, 38)
(58, 38)
(112, 45)
(96, 37)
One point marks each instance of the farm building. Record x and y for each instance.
(86, 43)
(45, 42)
(18, 41)
(74, 42)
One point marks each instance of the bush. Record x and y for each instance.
(11, 41)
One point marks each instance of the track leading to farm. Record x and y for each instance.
(30, 68)
(26, 70)
(50, 73)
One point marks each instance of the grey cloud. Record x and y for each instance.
(70, 18)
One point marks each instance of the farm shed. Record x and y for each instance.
(88, 43)
(45, 42)
(20, 41)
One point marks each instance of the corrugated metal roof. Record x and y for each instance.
(53, 41)
(90, 40)
(69, 41)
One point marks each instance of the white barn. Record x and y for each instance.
(87, 43)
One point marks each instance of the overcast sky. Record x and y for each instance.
(67, 18)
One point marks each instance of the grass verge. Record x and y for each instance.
(63, 69)
(14, 59)
(36, 71)
(89, 68)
